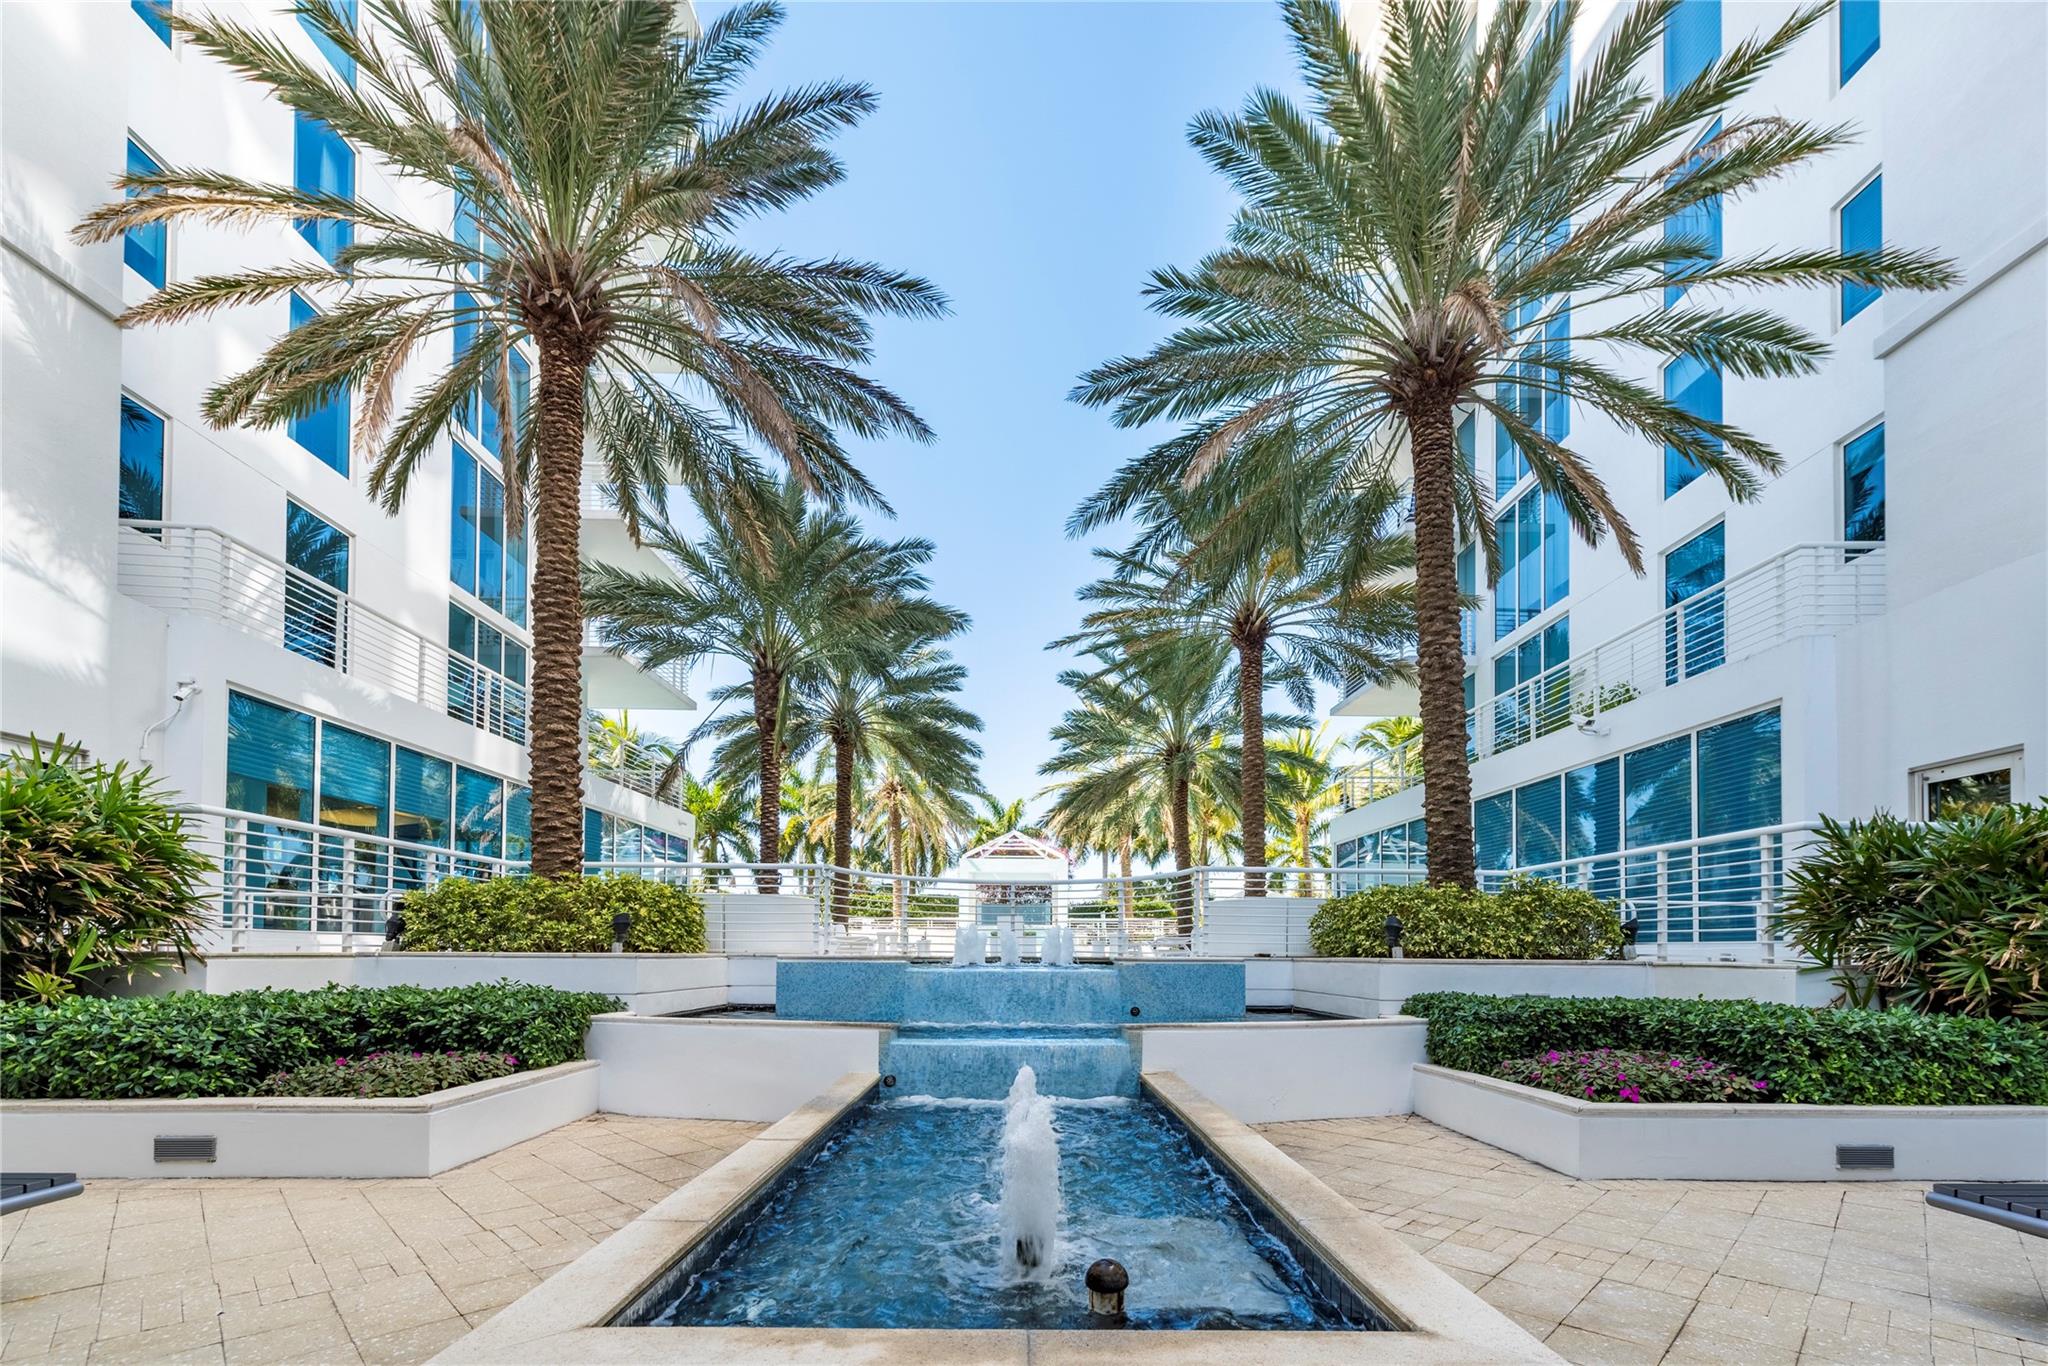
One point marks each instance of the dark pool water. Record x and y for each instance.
(893, 1224)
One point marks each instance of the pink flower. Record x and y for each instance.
(1552, 1056)
(341, 1062)
(1630, 1093)
(1761, 1085)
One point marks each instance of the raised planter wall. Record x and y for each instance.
(1617, 1141)
(723, 1068)
(290, 1137)
(649, 983)
(1381, 986)
(1297, 1069)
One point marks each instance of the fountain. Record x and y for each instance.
(1013, 953)
(970, 947)
(1030, 1208)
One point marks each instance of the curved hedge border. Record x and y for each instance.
(190, 1044)
(1814, 1057)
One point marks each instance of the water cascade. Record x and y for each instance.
(1013, 952)
(970, 947)
(1029, 1214)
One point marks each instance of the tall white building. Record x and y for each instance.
(232, 606)
(1869, 634)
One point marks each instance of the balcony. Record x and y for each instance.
(1808, 590)
(604, 539)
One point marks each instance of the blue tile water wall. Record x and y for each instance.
(980, 1064)
(891, 991)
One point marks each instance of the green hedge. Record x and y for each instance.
(547, 915)
(1153, 907)
(1816, 1057)
(192, 1044)
(1526, 918)
(874, 905)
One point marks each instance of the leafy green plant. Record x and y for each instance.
(97, 879)
(552, 915)
(1829, 1056)
(1633, 1077)
(1527, 918)
(1949, 917)
(880, 903)
(390, 1074)
(192, 1044)
(1151, 907)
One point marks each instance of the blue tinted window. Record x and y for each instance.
(270, 759)
(490, 543)
(1697, 225)
(1557, 552)
(1658, 793)
(1740, 774)
(142, 463)
(1592, 809)
(519, 823)
(1509, 464)
(1557, 348)
(1528, 557)
(1692, 42)
(156, 16)
(1468, 440)
(422, 798)
(1535, 547)
(1468, 618)
(1862, 230)
(146, 249)
(463, 522)
(355, 781)
(1539, 823)
(1695, 626)
(1696, 388)
(479, 813)
(345, 10)
(1858, 34)
(1493, 828)
(324, 431)
(1561, 91)
(1863, 486)
(323, 163)
(314, 619)
(593, 835)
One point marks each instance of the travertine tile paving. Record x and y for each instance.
(328, 1271)
(1693, 1271)
(1623, 1271)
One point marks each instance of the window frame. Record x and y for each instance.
(1854, 435)
(141, 144)
(1920, 779)
(1875, 174)
(163, 458)
(1842, 78)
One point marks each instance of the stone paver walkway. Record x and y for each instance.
(1694, 1271)
(328, 1271)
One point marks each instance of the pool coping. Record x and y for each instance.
(564, 1318)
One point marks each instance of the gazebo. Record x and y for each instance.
(1014, 870)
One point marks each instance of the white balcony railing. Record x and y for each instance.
(1807, 590)
(671, 675)
(202, 571)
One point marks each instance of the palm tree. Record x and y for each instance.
(997, 819)
(720, 813)
(596, 177)
(1416, 242)
(1298, 608)
(802, 586)
(807, 813)
(1305, 788)
(1149, 731)
(916, 812)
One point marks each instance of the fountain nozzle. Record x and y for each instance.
(1107, 1281)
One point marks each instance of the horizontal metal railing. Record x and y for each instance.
(1380, 776)
(671, 674)
(632, 765)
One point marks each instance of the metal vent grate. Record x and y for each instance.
(1872, 1156)
(185, 1147)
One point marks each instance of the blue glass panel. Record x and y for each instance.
(462, 523)
(1539, 823)
(1509, 465)
(1557, 348)
(490, 555)
(1528, 558)
(324, 431)
(1858, 22)
(1657, 809)
(1468, 440)
(146, 249)
(1468, 618)
(466, 690)
(1493, 829)
(1698, 225)
(155, 15)
(1863, 487)
(323, 163)
(514, 667)
(1557, 642)
(593, 835)
(1739, 789)
(479, 813)
(1504, 617)
(1418, 842)
(314, 622)
(519, 824)
(1695, 634)
(1692, 41)
(1557, 552)
(1592, 809)
(1561, 90)
(355, 781)
(422, 797)
(142, 463)
(1862, 230)
(1696, 388)
(270, 759)
(343, 63)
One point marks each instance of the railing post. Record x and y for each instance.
(1663, 904)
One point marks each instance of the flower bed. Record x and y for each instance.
(1812, 1057)
(1635, 1077)
(383, 1075)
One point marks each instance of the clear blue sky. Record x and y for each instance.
(1032, 160)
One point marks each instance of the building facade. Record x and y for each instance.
(321, 677)
(1866, 635)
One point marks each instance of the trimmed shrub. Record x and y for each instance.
(1632, 1077)
(1526, 918)
(1813, 1057)
(869, 903)
(1151, 907)
(96, 879)
(552, 915)
(192, 1044)
(382, 1075)
(1949, 917)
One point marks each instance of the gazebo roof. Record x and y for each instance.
(1018, 845)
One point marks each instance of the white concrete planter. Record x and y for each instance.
(723, 1068)
(1611, 1140)
(1381, 986)
(279, 1136)
(1292, 1069)
(649, 983)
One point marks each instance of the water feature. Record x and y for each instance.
(1030, 1164)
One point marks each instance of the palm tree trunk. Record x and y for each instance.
(1251, 708)
(842, 824)
(1302, 836)
(896, 839)
(1440, 658)
(1123, 868)
(1183, 852)
(555, 701)
(767, 685)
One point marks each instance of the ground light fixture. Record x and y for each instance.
(394, 930)
(1393, 928)
(1630, 928)
(622, 926)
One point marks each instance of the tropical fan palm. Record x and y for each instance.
(916, 815)
(595, 177)
(998, 818)
(720, 814)
(1298, 605)
(799, 590)
(1450, 224)
(1304, 790)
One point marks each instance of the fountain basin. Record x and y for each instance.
(894, 991)
(978, 1062)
